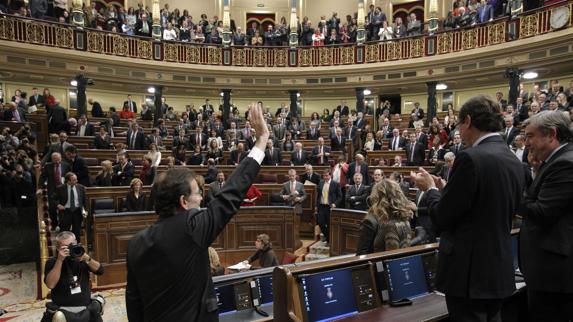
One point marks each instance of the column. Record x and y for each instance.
(157, 100)
(432, 9)
(226, 106)
(513, 75)
(156, 27)
(81, 95)
(360, 32)
(293, 94)
(431, 102)
(293, 36)
(226, 24)
(77, 13)
(360, 99)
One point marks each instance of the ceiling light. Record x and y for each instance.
(72, 93)
(151, 90)
(221, 94)
(74, 83)
(367, 92)
(441, 86)
(297, 94)
(530, 75)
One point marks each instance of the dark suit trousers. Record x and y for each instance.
(549, 306)
(323, 220)
(53, 211)
(461, 309)
(71, 220)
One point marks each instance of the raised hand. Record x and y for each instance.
(259, 124)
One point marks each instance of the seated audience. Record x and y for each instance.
(196, 158)
(154, 154)
(356, 194)
(105, 176)
(122, 171)
(214, 152)
(148, 171)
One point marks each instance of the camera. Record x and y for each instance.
(76, 250)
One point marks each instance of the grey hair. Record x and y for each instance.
(65, 235)
(547, 121)
(449, 156)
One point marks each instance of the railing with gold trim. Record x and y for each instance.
(499, 31)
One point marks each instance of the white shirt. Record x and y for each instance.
(336, 173)
(519, 153)
(169, 34)
(72, 189)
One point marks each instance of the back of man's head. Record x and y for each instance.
(484, 112)
(169, 187)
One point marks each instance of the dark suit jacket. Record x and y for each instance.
(123, 177)
(401, 142)
(350, 134)
(48, 179)
(474, 215)
(182, 272)
(336, 145)
(134, 105)
(316, 158)
(9, 115)
(360, 195)
(235, 154)
(360, 124)
(62, 195)
(423, 139)
(80, 168)
(57, 118)
(299, 161)
(193, 140)
(310, 136)
(273, 159)
(34, 101)
(89, 131)
(314, 178)
(135, 204)
(511, 136)
(419, 154)
(139, 28)
(458, 150)
(102, 143)
(97, 111)
(334, 193)
(139, 143)
(546, 243)
(352, 171)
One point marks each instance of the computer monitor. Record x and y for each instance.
(265, 287)
(406, 277)
(328, 295)
(226, 299)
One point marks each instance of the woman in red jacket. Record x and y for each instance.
(252, 195)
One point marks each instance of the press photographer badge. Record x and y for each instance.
(77, 289)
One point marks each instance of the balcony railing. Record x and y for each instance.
(499, 31)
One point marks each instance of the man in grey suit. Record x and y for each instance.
(279, 130)
(414, 26)
(357, 193)
(216, 186)
(293, 192)
(72, 200)
(51, 178)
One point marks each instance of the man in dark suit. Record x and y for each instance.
(156, 251)
(36, 99)
(545, 237)
(342, 108)
(397, 142)
(418, 112)
(180, 139)
(72, 200)
(51, 178)
(130, 104)
(309, 175)
(510, 131)
(328, 196)
(357, 193)
(102, 140)
(298, 156)
(338, 142)
(143, 27)
(446, 170)
(502, 103)
(386, 128)
(474, 213)
(358, 166)
(458, 146)
(198, 138)
(272, 154)
(360, 122)
(84, 127)
(350, 131)
(216, 186)
(421, 137)
(14, 113)
(312, 133)
(293, 192)
(415, 152)
(238, 154)
(122, 171)
(520, 151)
(135, 138)
(57, 119)
(78, 166)
(320, 153)
(97, 111)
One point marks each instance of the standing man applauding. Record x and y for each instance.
(474, 212)
(168, 271)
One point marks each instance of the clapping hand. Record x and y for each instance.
(260, 125)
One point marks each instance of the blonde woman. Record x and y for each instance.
(215, 263)
(386, 226)
(135, 199)
(104, 177)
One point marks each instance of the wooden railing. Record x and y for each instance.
(44, 33)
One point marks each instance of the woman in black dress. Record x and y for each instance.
(135, 199)
(265, 253)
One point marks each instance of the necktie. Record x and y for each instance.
(357, 170)
(248, 133)
(17, 115)
(132, 141)
(299, 155)
(72, 198)
(395, 144)
(412, 152)
(130, 106)
(238, 157)
(198, 137)
(322, 155)
(507, 132)
(293, 187)
(325, 188)
(220, 185)
(350, 132)
(58, 175)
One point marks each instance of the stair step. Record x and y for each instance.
(311, 257)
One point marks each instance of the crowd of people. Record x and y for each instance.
(177, 25)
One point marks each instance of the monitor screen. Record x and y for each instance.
(225, 298)
(327, 296)
(265, 284)
(406, 277)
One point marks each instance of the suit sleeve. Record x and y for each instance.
(206, 225)
(554, 198)
(367, 233)
(133, 301)
(448, 209)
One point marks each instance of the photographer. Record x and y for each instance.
(67, 275)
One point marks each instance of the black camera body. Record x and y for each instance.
(76, 250)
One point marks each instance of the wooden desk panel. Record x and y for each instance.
(235, 243)
(344, 230)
